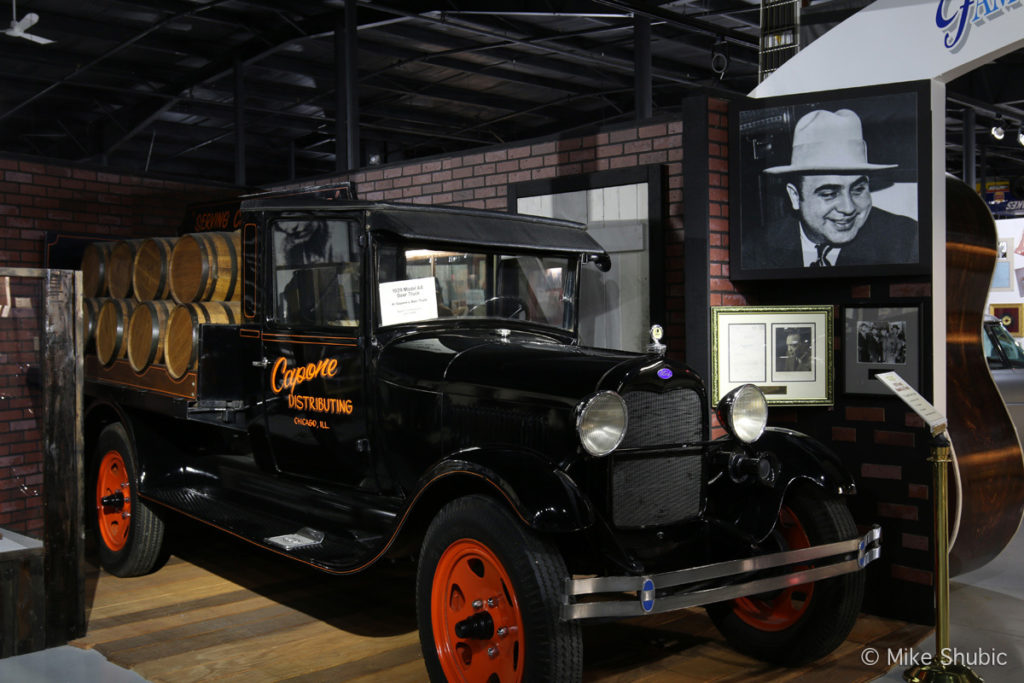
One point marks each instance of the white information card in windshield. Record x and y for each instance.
(407, 301)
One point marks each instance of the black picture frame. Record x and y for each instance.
(879, 339)
(896, 124)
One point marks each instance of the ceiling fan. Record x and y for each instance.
(18, 28)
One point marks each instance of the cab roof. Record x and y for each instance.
(448, 225)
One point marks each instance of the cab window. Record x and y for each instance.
(420, 284)
(1011, 350)
(316, 272)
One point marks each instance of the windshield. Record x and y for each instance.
(1014, 354)
(415, 285)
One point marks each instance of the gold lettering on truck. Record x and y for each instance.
(284, 377)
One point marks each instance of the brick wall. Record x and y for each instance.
(38, 198)
(21, 448)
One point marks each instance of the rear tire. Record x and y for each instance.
(802, 623)
(129, 533)
(475, 551)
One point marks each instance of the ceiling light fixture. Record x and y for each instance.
(998, 131)
(1020, 135)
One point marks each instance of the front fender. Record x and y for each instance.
(543, 496)
(754, 508)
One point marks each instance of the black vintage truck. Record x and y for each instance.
(409, 381)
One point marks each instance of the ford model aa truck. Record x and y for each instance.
(409, 381)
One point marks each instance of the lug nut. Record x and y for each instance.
(491, 602)
(503, 631)
(492, 652)
(478, 604)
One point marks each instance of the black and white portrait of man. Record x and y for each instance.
(829, 185)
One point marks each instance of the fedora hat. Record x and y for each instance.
(829, 141)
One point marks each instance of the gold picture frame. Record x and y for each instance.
(786, 351)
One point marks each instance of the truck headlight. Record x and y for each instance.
(744, 413)
(601, 423)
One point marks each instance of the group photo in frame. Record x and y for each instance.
(786, 351)
(879, 339)
(831, 184)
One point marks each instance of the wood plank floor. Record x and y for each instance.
(221, 610)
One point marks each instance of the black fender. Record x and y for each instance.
(544, 497)
(797, 457)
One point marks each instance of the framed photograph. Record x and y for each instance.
(1009, 315)
(881, 339)
(831, 184)
(1003, 277)
(786, 351)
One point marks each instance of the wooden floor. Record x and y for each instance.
(221, 610)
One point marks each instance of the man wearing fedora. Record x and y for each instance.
(828, 187)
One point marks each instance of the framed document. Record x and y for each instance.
(786, 351)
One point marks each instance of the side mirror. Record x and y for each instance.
(603, 261)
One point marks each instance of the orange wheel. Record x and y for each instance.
(489, 599)
(797, 624)
(780, 610)
(113, 501)
(129, 534)
(477, 625)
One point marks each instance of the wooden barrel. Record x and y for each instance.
(90, 314)
(146, 331)
(119, 269)
(205, 266)
(181, 342)
(151, 270)
(112, 329)
(95, 258)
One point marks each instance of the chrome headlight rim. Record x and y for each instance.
(600, 400)
(744, 413)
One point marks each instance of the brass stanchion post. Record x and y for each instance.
(942, 669)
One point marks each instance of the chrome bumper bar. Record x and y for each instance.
(619, 597)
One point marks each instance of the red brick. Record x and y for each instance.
(874, 471)
(865, 414)
(885, 437)
(861, 292)
(918, 491)
(915, 542)
(917, 290)
(912, 575)
(844, 434)
(898, 511)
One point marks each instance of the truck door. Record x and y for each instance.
(314, 380)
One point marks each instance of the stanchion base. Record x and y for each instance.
(941, 673)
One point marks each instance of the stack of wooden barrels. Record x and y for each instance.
(146, 298)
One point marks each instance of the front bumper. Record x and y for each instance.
(619, 597)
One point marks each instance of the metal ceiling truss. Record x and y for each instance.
(152, 85)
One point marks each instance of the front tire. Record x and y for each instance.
(488, 600)
(129, 534)
(802, 623)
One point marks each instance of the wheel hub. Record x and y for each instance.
(115, 500)
(480, 626)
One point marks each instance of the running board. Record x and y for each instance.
(670, 591)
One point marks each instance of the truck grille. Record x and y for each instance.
(662, 489)
(668, 419)
(655, 491)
